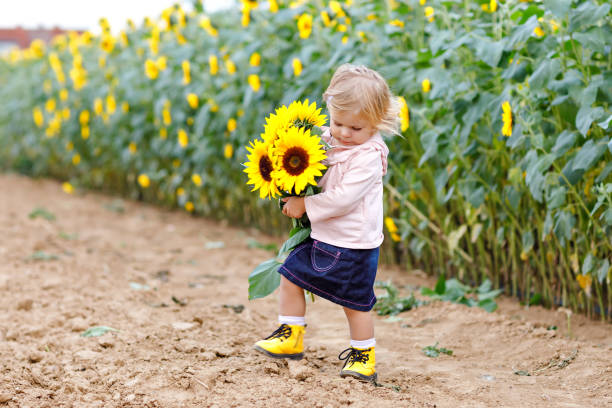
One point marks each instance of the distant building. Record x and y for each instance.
(22, 37)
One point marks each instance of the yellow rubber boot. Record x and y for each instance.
(286, 342)
(359, 363)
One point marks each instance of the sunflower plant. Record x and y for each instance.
(286, 162)
(502, 173)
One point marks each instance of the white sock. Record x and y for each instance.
(292, 320)
(363, 344)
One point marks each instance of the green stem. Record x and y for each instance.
(582, 204)
(585, 73)
(600, 301)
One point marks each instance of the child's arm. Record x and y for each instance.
(340, 199)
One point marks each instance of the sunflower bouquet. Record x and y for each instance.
(287, 161)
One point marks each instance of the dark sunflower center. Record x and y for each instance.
(265, 168)
(295, 161)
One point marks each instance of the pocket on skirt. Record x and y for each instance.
(324, 256)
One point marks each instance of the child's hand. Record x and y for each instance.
(294, 207)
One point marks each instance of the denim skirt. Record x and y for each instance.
(343, 276)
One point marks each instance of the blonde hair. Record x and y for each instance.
(363, 90)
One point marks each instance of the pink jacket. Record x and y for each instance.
(349, 210)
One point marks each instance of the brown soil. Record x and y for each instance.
(123, 270)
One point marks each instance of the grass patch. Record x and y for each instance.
(42, 256)
(391, 303)
(434, 351)
(42, 213)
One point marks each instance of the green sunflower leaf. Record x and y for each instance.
(264, 279)
(297, 237)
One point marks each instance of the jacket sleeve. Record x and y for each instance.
(343, 197)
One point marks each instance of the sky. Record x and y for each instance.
(84, 14)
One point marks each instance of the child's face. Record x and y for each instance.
(349, 128)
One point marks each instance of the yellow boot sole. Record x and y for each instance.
(297, 356)
(367, 378)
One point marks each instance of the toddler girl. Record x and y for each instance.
(339, 260)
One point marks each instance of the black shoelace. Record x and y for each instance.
(283, 331)
(353, 356)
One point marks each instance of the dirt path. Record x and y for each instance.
(122, 269)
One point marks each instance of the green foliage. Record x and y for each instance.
(523, 210)
(434, 351)
(452, 290)
(116, 206)
(264, 279)
(41, 212)
(42, 256)
(252, 243)
(391, 304)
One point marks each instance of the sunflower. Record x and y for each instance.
(404, 114)
(254, 82)
(426, 85)
(151, 69)
(274, 123)
(259, 168)
(297, 67)
(107, 43)
(429, 13)
(303, 115)
(213, 62)
(507, 119)
(298, 156)
(255, 59)
(305, 25)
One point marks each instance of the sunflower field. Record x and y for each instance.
(504, 170)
